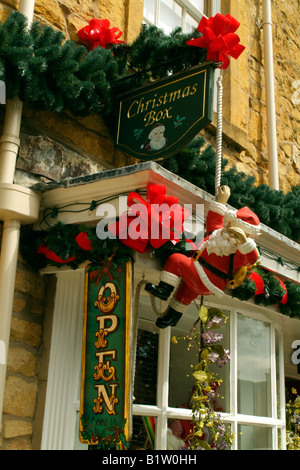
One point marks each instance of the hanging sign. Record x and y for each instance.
(105, 402)
(157, 120)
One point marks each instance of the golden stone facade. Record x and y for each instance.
(244, 144)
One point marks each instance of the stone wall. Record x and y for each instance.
(56, 138)
(244, 103)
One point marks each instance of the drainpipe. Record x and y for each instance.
(17, 205)
(270, 96)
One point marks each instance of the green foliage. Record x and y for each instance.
(292, 307)
(293, 421)
(208, 431)
(51, 73)
(61, 239)
(197, 164)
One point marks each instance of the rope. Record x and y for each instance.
(219, 135)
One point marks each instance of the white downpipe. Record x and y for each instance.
(9, 147)
(270, 96)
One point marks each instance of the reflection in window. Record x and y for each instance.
(146, 368)
(254, 438)
(254, 367)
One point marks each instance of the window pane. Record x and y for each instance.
(254, 367)
(146, 368)
(149, 10)
(190, 23)
(178, 431)
(170, 15)
(278, 375)
(181, 379)
(199, 4)
(143, 433)
(254, 438)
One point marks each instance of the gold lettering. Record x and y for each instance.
(129, 115)
(101, 368)
(175, 95)
(109, 401)
(186, 92)
(153, 116)
(105, 328)
(194, 88)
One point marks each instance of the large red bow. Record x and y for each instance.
(99, 33)
(156, 220)
(218, 38)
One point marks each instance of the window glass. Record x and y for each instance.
(146, 368)
(170, 14)
(149, 10)
(143, 433)
(254, 438)
(254, 367)
(190, 23)
(278, 375)
(199, 4)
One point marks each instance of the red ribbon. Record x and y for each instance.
(144, 223)
(99, 33)
(219, 38)
(259, 283)
(44, 249)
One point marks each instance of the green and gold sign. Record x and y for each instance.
(159, 119)
(105, 405)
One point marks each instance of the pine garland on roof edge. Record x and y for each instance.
(49, 73)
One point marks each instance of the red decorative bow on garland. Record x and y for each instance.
(99, 33)
(156, 220)
(44, 249)
(218, 38)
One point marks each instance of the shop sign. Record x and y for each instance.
(105, 402)
(156, 121)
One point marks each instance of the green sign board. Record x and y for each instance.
(105, 402)
(159, 119)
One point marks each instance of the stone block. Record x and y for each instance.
(20, 397)
(24, 331)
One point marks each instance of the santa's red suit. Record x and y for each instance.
(218, 257)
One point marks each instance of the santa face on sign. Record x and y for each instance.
(222, 258)
(156, 139)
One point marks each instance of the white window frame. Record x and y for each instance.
(163, 412)
(187, 8)
(62, 397)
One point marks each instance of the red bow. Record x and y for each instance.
(218, 38)
(154, 220)
(44, 249)
(99, 33)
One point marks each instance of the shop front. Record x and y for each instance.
(249, 395)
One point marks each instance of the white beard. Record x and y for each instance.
(220, 243)
(157, 144)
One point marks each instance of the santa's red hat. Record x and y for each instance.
(245, 219)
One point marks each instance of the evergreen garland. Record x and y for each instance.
(64, 242)
(197, 162)
(51, 73)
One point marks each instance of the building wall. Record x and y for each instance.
(53, 135)
(244, 102)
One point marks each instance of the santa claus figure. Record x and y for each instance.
(156, 139)
(221, 260)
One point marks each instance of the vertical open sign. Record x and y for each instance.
(105, 402)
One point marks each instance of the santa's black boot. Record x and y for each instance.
(162, 291)
(171, 318)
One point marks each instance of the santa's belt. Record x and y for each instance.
(197, 257)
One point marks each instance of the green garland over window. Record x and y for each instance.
(50, 73)
(73, 245)
(54, 74)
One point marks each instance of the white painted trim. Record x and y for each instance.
(64, 364)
